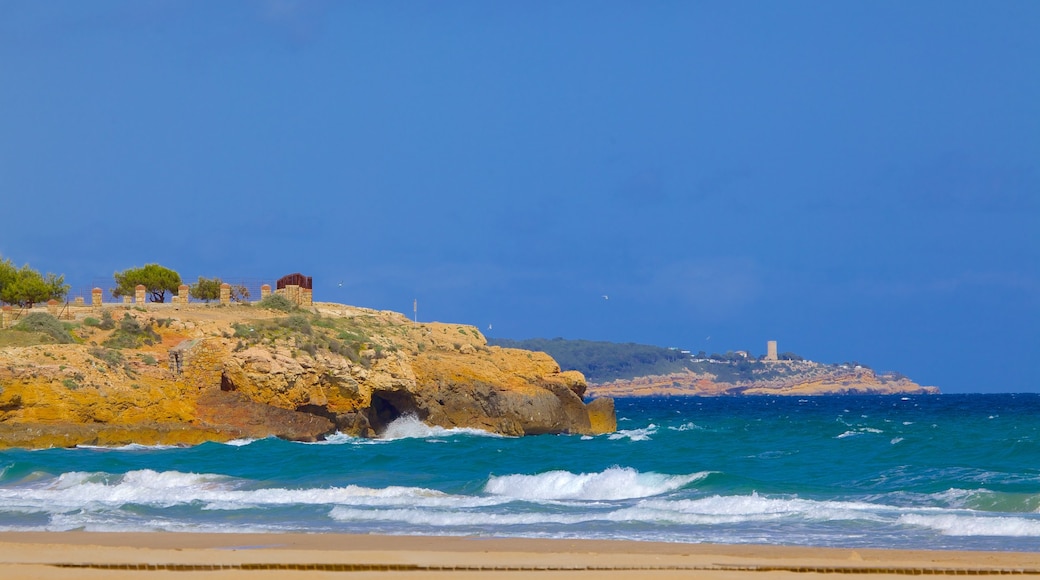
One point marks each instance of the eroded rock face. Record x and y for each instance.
(233, 412)
(337, 368)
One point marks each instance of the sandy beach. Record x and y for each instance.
(186, 555)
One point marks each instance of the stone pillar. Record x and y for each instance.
(127, 300)
(95, 299)
(771, 350)
(5, 316)
(307, 297)
(78, 301)
(292, 292)
(52, 307)
(182, 293)
(225, 294)
(139, 291)
(265, 291)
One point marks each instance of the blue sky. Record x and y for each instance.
(857, 180)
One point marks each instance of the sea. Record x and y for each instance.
(929, 472)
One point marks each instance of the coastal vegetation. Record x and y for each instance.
(208, 289)
(48, 327)
(603, 361)
(157, 280)
(25, 286)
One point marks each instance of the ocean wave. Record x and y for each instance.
(336, 438)
(687, 427)
(457, 518)
(129, 447)
(82, 490)
(742, 508)
(974, 525)
(712, 511)
(410, 427)
(859, 431)
(634, 434)
(240, 442)
(615, 483)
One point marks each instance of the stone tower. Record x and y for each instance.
(771, 350)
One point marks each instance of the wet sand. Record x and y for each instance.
(48, 555)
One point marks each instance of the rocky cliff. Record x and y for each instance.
(183, 374)
(800, 378)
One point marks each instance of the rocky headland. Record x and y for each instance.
(189, 373)
(783, 377)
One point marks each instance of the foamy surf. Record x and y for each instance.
(81, 490)
(410, 427)
(615, 483)
(975, 524)
(634, 434)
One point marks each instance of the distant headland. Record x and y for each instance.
(633, 370)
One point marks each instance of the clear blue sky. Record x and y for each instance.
(858, 180)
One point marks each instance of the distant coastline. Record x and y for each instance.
(636, 370)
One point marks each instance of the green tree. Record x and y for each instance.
(206, 289)
(25, 286)
(7, 273)
(156, 279)
(209, 289)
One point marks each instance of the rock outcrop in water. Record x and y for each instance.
(194, 373)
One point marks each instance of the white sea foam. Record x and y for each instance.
(410, 427)
(740, 508)
(615, 483)
(635, 434)
(974, 525)
(240, 442)
(129, 447)
(81, 490)
(687, 427)
(707, 512)
(859, 431)
(457, 518)
(336, 438)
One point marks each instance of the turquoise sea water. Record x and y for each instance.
(948, 471)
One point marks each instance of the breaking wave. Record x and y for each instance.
(615, 483)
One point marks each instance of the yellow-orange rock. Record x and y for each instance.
(334, 367)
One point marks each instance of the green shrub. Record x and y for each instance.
(106, 321)
(46, 324)
(149, 360)
(70, 384)
(112, 358)
(277, 302)
(132, 334)
(298, 323)
(245, 330)
(89, 321)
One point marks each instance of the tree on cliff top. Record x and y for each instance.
(209, 289)
(206, 289)
(25, 286)
(155, 278)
